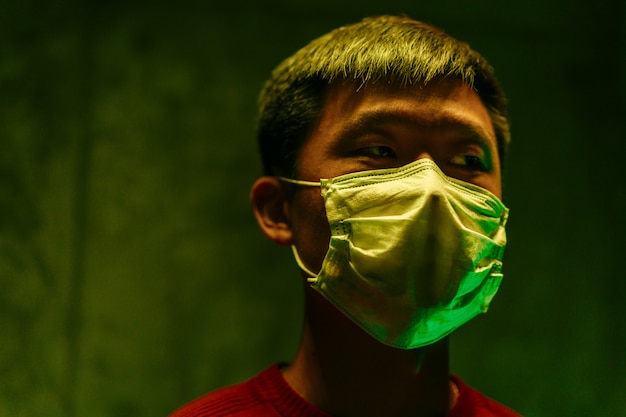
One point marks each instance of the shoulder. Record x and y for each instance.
(473, 403)
(241, 400)
(265, 395)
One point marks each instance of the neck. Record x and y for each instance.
(346, 372)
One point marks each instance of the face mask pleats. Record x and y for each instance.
(413, 254)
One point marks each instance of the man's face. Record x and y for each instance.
(390, 127)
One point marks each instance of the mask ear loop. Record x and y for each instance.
(300, 182)
(312, 277)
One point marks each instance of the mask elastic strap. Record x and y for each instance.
(312, 277)
(300, 182)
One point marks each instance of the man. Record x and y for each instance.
(382, 145)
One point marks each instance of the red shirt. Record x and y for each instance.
(269, 395)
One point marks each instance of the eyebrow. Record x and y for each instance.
(376, 119)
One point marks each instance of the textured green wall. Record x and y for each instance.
(132, 275)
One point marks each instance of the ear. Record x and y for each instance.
(270, 209)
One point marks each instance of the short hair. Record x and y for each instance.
(395, 49)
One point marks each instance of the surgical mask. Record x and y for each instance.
(413, 254)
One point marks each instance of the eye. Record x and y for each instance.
(470, 162)
(377, 152)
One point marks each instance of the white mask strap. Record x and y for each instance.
(300, 182)
(312, 277)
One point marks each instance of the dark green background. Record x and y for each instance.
(132, 275)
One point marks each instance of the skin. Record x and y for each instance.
(338, 367)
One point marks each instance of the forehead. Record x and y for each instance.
(447, 105)
(444, 103)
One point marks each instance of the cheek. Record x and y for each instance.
(496, 181)
(310, 228)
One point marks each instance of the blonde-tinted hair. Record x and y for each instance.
(394, 49)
